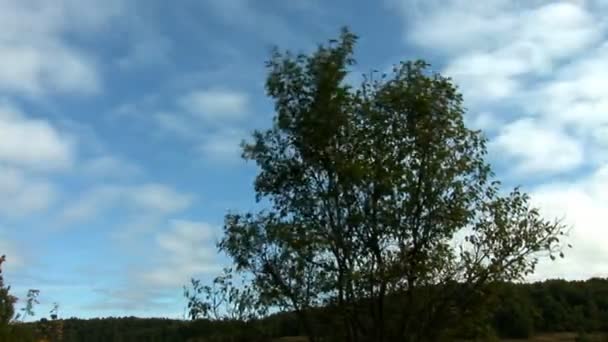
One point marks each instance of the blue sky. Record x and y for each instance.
(120, 123)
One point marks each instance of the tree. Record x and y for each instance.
(8, 330)
(376, 193)
(222, 300)
(7, 301)
(514, 314)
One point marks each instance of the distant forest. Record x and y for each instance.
(517, 311)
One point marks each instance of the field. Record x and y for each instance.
(558, 337)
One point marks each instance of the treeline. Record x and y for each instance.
(127, 329)
(551, 306)
(517, 311)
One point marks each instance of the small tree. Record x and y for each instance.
(31, 300)
(9, 331)
(380, 201)
(7, 301)
(222, 299)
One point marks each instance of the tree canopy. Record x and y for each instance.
(378, 191)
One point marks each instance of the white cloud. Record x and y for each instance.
(149, 199)
(149, 50)
(538, 59)
(188, 251)
(109, 166)
(185, 238)
(21, 194)
(497, 74)
(32, 142)
(177, 124)
(223, 145)
(457, 25)
(536, 148)
(553, 29)
(50, 68)
(14, 259)
(583, 205)
(244, 14)
(212, 120)
(495, 44)
(486, 121)
(158, 198)
(538, 67)
(575, 95)
(28, 147)
(141, 108)
(90, 204)
(184, 249)
(35, 58)
(216, 106)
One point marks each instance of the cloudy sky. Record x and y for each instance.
(120, 122)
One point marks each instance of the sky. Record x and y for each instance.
(120, 124)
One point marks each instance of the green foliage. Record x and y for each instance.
(7, 308)
(31, 299)
(514, 317)
(222, 300)
(377, 192)
(7, 301)
(10, 330)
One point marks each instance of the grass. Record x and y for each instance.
(555, 337)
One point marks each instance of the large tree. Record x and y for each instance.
(382, 208)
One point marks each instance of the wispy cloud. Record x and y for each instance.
(147, 50)
(178, 124)
(539, 60)
(493, 47)
(532, 76)
(22, 194)
(537, 149)
(36, 58)
(216, 106)
(108, 166)
(247, 16)
(32, 142)
(151, 198)
(184, 249)
(187, 250)
(9, 248)
(223, 146)
(30, 149)
(213, 120)
(582, 204)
